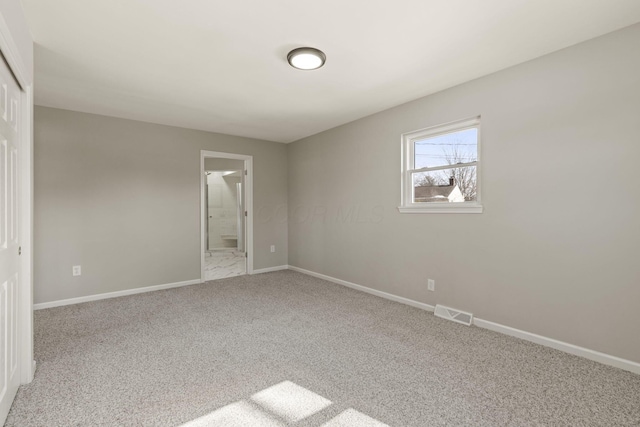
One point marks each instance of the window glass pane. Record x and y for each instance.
(445, 186)
(447, 149)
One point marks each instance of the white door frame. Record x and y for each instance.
(248, 199)
(9, 49)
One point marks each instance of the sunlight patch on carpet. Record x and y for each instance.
(283, 404)
(238, 414)
(350, 418)
(290, 401)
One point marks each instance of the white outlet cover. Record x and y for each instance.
(431, 285)
(76, 270)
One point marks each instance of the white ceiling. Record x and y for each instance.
(220, 65)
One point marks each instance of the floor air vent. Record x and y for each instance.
(454, 315)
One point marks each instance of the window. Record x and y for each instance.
(440, 169)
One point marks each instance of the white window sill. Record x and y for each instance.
(467, 207)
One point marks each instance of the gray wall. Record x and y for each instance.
(122, 199)
(555, 251)
(220, 164)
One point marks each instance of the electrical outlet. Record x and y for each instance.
(273, 248)
(76, 270)
(431, 285)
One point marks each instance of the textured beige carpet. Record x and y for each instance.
(286, 349)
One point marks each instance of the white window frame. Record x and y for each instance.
(407, 204)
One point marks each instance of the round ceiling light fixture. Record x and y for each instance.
(306, 58)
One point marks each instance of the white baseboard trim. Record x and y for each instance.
(375, 292)
(270, 269)
(596, 356)
(107, 295)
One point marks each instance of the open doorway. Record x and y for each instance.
(226, 215)
(225, 254)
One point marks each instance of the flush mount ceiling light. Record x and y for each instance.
(306, 58)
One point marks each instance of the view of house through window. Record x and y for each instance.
(440, 167)
(447, 165)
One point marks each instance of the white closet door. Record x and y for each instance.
(9, 239)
